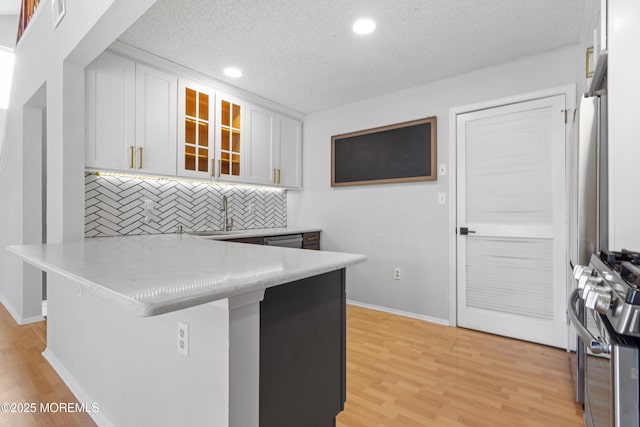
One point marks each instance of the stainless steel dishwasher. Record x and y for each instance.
(288, 241)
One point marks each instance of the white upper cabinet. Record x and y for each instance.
(156, 105)
(110, 112)
(195, 130)
(261, 146)
(289, 152)
(147, 121)
(274, 148)
(130, 117)
(230, 138)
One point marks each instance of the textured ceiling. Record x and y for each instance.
(303, 54)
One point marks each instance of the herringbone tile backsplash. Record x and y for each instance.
(115, 206)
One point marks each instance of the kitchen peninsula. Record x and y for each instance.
(264, 326)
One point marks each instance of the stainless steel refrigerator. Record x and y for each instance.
(589, 189)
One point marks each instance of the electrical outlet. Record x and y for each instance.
(148, 204)
(183, 339)
(252, 208)
(396, 273)
(442, 169)
(442, 198)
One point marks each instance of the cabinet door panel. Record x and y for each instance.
(290, 153)
(230, 149)
(195, 129)
(261, 141)
(156, 103)
(110, 104)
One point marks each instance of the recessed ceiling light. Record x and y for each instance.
(232, 72)
(364, 26)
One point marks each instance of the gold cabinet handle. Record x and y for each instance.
(311, 239)
(140, 159)
(274, 176)
(278, 176)
(213, 167)
(219, 167)
(131, 165)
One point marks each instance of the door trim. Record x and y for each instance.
(570, 96)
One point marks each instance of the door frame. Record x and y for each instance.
(569, 91)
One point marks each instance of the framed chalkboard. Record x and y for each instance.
(403, 152)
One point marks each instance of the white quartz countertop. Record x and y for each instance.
(260, 232)
(151, 275)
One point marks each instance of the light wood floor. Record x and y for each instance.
(25, 376)
(404, 373)
(400, 373)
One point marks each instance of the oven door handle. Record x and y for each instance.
(595, 344)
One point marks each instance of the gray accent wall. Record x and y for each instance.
(402, 225)
(115, 206)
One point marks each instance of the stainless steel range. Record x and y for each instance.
(609, 293)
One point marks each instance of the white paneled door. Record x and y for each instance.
(511, 199)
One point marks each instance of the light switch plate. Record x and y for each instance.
(442, 169)
(442, 198)
(58, 10)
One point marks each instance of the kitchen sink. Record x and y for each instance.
(209, 233)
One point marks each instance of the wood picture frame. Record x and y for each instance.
(402, 152)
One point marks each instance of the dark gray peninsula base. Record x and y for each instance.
(303, 352)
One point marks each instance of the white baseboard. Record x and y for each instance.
(429, 319)
(14, 313)
(83, 397)
(32, 319)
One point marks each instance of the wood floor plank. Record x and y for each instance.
(26, 377)
(404, 372)
(400, 373)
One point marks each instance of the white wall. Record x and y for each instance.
(3, 114)
(55, 59)
(401, 225)
(130, 365)
(624, 140)
(8, 33)
(8, 30)
(32, 175)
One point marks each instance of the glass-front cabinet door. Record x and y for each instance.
(230, 135)
(196, 154)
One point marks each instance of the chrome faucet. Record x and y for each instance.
(227, 223)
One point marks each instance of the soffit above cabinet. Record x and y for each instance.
(303, 54)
